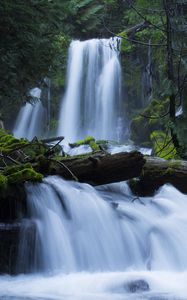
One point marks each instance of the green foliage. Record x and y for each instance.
(162, 145)
(84, 16)
(29, 33)
(151, 119)
(126, 45)
(3, 182)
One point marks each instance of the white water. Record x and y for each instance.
(29, 122)
(92, 102)
(93, 243)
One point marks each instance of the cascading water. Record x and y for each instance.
(80, 231)
(92, 102)
(30, 120)
(102, 244)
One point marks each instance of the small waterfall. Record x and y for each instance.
(29, 122)
(147, 79)
(48, 98)
(80, 228)
(92, 102)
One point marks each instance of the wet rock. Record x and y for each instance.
(9, 239)
(138, 286)
(10, 234)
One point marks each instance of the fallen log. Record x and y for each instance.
(96, 169)
(157, 172)
(149, 173)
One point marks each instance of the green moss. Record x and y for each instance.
(85, 141)
(102, 142)
(170, 171)
(175, 164)
(24, 174)
(8, 142)
(94, 146)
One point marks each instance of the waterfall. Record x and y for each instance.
(100, 243)
(147, 79)
(29, 122)
(80, 228)
(92, 101)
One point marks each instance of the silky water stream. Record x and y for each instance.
(102, 243)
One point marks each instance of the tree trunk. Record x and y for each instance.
(170, 71)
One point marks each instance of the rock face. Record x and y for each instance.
(12, 210)
(9, 243)
(138, 286)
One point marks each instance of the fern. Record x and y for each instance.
(90, 12)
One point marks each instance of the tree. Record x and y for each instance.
(166, 38)
(29, 34)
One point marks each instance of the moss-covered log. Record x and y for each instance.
(157, 172)
(96, 169)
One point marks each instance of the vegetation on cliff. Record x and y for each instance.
(35, 37)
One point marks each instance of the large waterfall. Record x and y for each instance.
(92, 102)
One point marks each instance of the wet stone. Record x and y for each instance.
(138, 286)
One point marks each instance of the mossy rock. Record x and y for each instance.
(25, 175)
(8, 142)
